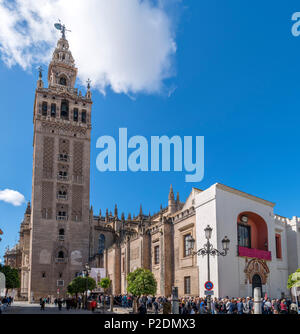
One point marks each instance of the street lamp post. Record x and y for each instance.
(209, 250)
(86, 272)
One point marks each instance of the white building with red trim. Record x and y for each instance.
(264, 248)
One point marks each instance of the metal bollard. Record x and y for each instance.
(257, 301)
(175, 302)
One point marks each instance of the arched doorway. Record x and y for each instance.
(256, 283)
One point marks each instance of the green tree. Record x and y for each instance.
(70, 289)
(294, 280)
(105, 283)
(11, 276)
(141, 282)
(81, 285)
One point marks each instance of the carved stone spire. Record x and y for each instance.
(171, 193)
(141, 211)
(171, 202)
(28, 209)
(116, 211)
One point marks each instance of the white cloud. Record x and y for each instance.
(12, 197)
(127, 45)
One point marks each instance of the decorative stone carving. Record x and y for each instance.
(256, 266)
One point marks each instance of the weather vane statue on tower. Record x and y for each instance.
(40, 69)
(62, 28)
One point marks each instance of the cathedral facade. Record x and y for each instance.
(60, 232)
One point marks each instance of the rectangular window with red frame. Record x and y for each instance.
(278, 246)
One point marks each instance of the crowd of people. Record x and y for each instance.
(217, 305)
(156, 305)
(188, 305)
(236, 306)
(68, 303)
(77, 303)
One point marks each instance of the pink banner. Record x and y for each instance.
(257, 253)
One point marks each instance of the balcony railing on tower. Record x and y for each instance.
(62, 177)
(61, 260)
(63, 197)
(64, 157)
(61, 217)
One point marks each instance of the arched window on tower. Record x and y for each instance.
(101, 244)
(75, 118)
(61, 234)
(63, 81)
(61, 255)
(44, 108)
(83, 116)
(64, 113)
(53, 110)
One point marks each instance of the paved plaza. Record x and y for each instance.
(26, 308)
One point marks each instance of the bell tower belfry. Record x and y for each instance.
(59, 241)
(62, 70)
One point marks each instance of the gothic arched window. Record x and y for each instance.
(64, 113)
(75, 118)
(101, 244)
(83, 116)
(63, 81)
(44, 108)
(61, 255)
(53, 110)
(62, 193)
(61, 234)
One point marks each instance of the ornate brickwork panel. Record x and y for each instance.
(77, 192)
(64, 146)
(64, 129)
(77, 158)
(47, 200)
(48, 158)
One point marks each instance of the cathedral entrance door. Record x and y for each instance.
(256, 283)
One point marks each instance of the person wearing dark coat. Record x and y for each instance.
(142, 309)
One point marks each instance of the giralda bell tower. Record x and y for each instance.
(61, 178)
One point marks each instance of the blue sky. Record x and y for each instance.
(236, 73)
